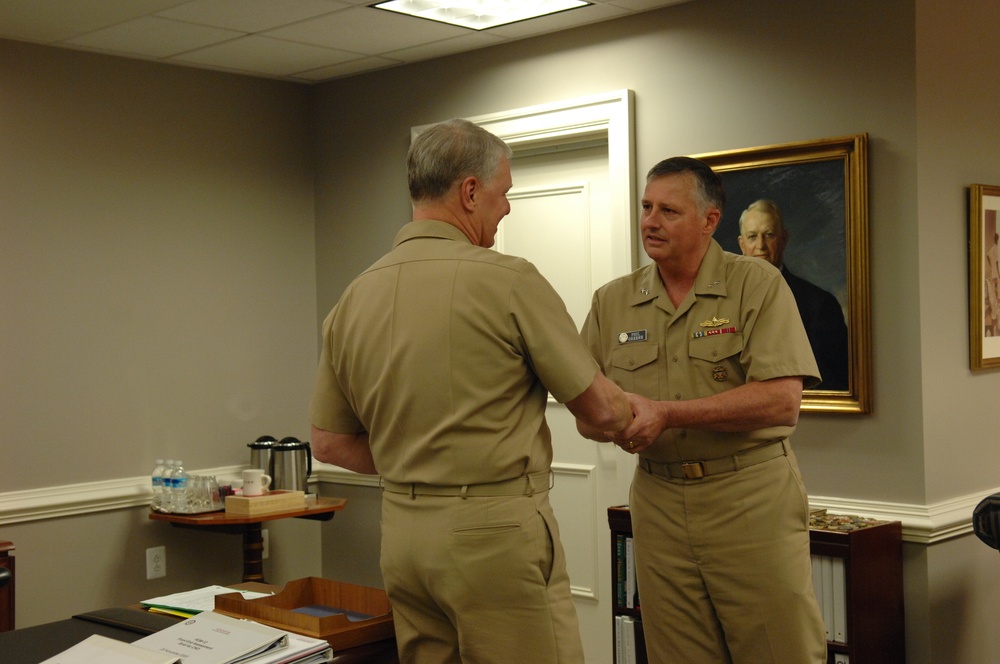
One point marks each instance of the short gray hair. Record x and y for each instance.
(449, 152)
(767, 207)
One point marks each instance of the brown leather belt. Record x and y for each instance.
(695, 470)
(526, 485)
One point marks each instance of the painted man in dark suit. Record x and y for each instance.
(762, 234)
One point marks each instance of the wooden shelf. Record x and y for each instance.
(322, 510)
(249, 527)
(7, 591)
(873, 567)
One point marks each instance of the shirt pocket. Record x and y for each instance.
(633, 367)
(723, 350)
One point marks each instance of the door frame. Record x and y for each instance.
(570, 124)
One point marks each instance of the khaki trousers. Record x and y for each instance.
(723, 567)
(477, 580)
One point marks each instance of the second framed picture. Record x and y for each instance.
(804, 208)
(984, 277)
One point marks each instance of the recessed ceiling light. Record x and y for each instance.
(479, 14)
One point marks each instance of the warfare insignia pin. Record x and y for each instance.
(715, 322)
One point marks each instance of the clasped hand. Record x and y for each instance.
(648, 422)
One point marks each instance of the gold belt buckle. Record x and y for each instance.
(694, 470)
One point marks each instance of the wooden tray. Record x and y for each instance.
(272, 501)
(338, 630)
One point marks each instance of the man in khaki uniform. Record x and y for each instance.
(714, 344)
(434, 372)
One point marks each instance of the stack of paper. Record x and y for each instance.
(97, 648)
(212, 638)
(193, 602)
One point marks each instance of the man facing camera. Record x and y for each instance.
(711, 344)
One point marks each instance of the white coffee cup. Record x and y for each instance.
(255, 482)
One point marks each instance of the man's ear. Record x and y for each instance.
(468, 189)
(712, 218)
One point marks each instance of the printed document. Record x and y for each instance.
(213, 638)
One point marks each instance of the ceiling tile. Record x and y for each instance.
(643, 5)
(299, 40)
(153, 36)
(250, 15)
(467, 42)
(367, 30)
(274, 57)
(345, 69)
(55, 20)
(561, 21)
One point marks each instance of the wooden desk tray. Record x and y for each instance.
(279, 610)
(270, 502)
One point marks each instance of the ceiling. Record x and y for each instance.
(305, 41)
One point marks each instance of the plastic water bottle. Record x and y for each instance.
(167, 497)
(157, 479)
(179, 486)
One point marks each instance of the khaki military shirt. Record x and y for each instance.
(738, 324)
(444, 353)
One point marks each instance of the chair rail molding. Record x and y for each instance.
(922, 524)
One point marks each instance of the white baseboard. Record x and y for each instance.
(922, 524)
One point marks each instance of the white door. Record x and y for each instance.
(560, 220)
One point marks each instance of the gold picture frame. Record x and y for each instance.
(984, 277)
(821, 188)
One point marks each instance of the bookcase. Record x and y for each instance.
(857, 573)
(629, 644)
(6, 587)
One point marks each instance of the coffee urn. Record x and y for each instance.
(292, 463)
(261, 454)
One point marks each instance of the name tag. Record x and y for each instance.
(631, 337)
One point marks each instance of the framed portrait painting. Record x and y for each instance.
(984, 277)
(806, 208)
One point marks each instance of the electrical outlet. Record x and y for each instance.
(267, 549)
(156, 562)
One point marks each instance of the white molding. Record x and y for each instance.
(86, 498)
(922, 524)
(588, 473)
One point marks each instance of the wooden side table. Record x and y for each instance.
(250, 527)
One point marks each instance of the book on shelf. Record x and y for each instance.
(626, 591)
(631, 589)
(630, 644)
(830, 586)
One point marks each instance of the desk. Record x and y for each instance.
(128, 624)
(250, 527)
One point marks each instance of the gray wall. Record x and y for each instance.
(157, 287)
